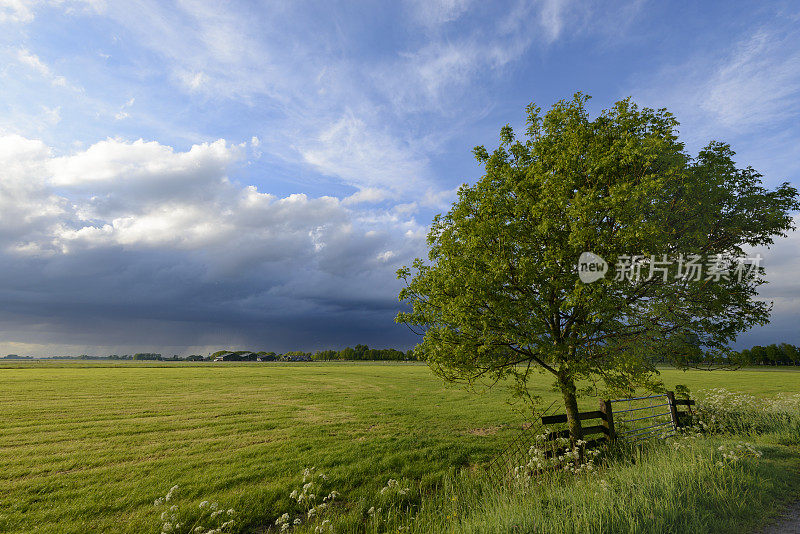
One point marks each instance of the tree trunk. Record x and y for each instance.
(571, 405)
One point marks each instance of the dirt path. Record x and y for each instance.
(788, 523)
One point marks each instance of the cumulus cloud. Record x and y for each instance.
(115, 162)
(26, 204)
(366, 195)
(144, 229)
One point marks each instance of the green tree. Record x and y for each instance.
(792, 354)
(773, 354)
(500, 296)
(745, 357)
(759, 355)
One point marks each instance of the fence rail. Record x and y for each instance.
(663, 418)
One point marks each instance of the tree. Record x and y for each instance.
(792, 354)
(501, 297)
(745, 357)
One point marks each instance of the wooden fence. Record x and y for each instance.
(634, 419)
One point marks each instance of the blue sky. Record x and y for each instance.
(187, 176)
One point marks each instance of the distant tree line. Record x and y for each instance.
(774, 354)
(363, 352)
(138, 356)
(783, 354)
(357, 353)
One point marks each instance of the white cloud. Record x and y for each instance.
(758, 84)
(15, 11)
(551, 18)
(366, 195)
(27, 206)
(194, 81)
(51, 116)
(113, 163)
(144, 195)
(32, 61)
(345, 119)
(122, 113)
(386, 255)
(747, 95)
(439, 75)
(754, 85)
(436, 12)
(23, 11)
(366, 159)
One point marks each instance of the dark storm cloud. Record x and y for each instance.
(137, 263)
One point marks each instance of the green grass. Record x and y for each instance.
(652, 491)
(88, 447)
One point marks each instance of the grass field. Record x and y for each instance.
(87, 447)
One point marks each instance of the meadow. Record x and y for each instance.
(88, 447)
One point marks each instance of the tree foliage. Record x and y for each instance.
(499, 295)
(783, 354)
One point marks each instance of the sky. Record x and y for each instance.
(182, 177)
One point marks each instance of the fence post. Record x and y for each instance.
(608, 419)
(673, 410)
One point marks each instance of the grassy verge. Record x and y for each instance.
(659, 489)
(731, 473)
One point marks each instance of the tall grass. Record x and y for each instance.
(659, 489)
(721, 411)
(704, 480)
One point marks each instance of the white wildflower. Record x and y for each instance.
(172, 490)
